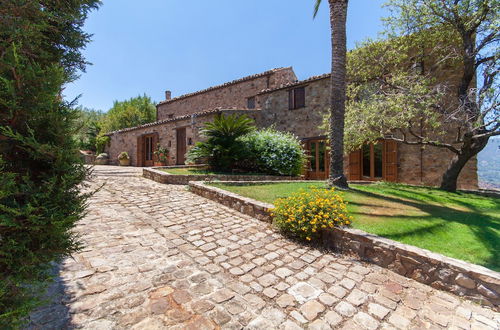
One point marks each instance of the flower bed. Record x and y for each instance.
(159, 175)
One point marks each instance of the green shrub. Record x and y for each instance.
(221, 150)
(274, 152)
(100, 143)
(306, 213)
(123, 155)
(40, 170)
(161, 153)
(129, 113)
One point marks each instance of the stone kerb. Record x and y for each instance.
(441, 272)
(156, 174)
(242, 204)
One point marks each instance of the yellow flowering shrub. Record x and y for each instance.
(306, 213)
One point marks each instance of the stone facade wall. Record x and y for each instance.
(459, 277)
(425, 166)
(415, 165)
(230, 95)
(126, 140)
(303, 122)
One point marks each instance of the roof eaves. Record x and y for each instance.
(164, 121)
(297, 83)
(233, 82)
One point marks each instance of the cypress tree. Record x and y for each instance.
(41, 175)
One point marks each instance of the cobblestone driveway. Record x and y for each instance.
(160, 257)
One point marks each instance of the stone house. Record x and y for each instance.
(277, 98)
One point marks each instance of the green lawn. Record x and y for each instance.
(200, 171)
(460, 225)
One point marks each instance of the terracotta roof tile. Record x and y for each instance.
(297, 83)
(258, 75)
(196, 114)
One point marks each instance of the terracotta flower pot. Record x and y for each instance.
(101, 159)
(160, 163)
(124, 162)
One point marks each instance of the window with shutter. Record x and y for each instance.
(300, 97)
(251, 102)
(297, 98)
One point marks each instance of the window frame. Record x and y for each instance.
(251, 100)
(293, 98)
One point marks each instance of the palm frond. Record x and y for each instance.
(316, 8)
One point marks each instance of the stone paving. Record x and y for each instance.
(159, 257)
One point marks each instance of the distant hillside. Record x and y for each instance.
(488, 162)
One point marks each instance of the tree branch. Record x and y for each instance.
(424, 142)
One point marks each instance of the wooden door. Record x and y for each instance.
(374, 162)
(372, 167)
(140, 152)
(355, 165)
(318, 164)
(181, 146)
(149, 148)
(390, 161)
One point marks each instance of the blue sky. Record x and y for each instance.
(184, 46)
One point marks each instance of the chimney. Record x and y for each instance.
(168, 95)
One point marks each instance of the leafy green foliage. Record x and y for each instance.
(273, 152)
(40, 171)
(130, 113)
(388, 92)
(222, 150)
(306, 213)
(123, 156)
(89, 127)
(455, 92)
(161, 153)
(232, 142)
(101, 142)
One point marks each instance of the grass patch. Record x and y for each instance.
(201, 171)
(460, 225)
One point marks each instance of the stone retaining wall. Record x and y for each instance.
(157, 175)
(459, 277)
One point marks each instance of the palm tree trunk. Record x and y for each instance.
(338, 17)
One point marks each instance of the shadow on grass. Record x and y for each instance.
(483, 226)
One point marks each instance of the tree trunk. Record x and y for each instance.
(470, 147)
(338, 17)
(468, 150)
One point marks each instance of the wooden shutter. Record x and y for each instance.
(355, 165)
(181, 146)
(300, 97)
(290, 99)
(251, 102)
(156, 140)
(390, 161)
(140, 152)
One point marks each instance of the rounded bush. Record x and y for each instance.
(306, 213)
(123, 155)
(274, 152)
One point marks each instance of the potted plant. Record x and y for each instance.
(161, 156)
(124, 159)
(102, 159)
